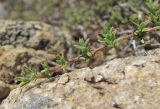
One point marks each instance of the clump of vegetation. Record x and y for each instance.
(62, 62)
(84, 49)
(141, 29)
(108, 39)
(29, 74)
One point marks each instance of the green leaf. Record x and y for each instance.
(30, 74)
(141, 29)
(108, 37)
(46, 69)
(81, 48)
(28, 70)
(84, 49)
(81, 42)
(23, 80)
(86, 42)
(62, 62)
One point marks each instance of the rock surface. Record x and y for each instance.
(129, 83)
(13, 59)
(36, 35)
(26, 44)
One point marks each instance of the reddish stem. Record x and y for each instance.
(73, 60)
(152, 29)
(56, 68)
(98, 49)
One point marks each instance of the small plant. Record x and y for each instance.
(108, 37)
(30, 74)
(46, 70)
(62, 62)
(141, 29)
(84, 49)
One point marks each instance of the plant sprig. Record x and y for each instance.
(62, 62)
(141, 30)
(30, 74)
(84, 49)
(108, 37)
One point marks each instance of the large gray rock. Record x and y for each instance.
(129, 83)
(32, 34)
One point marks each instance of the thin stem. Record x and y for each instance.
(152, 29)
(73, 60)
(98, 49)
(126, 37)
(125, 32)
(57, 68)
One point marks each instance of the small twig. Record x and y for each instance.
(157, 45)
(55, 68)
(73, 60)
(130, 36)
(126, 37)
(98, 49)
(152, 29)
(125, 32)
(52, 63)
(143, 45)
(126, 5)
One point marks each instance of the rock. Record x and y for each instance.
(28, 44)
(13, 59)
(127, 83)
(36, 35)
(4, 90)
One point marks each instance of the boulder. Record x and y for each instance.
(126, 83)
(32, 34)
